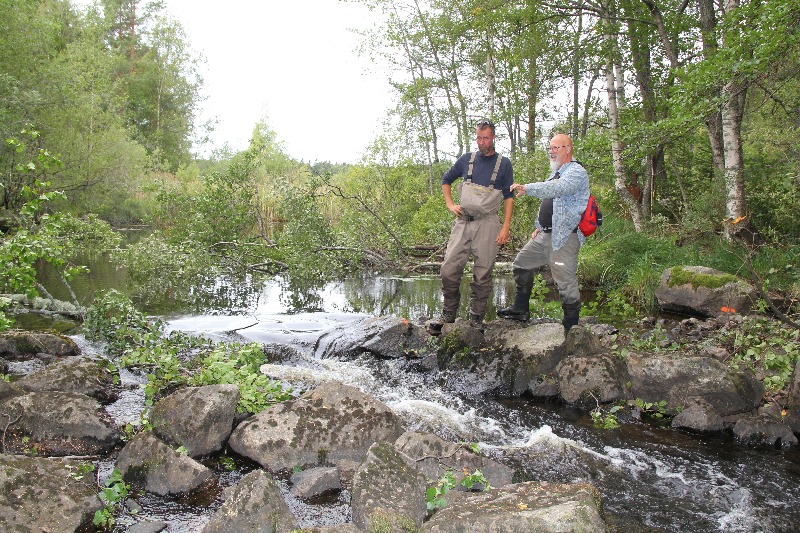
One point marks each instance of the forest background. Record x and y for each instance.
(686, 114)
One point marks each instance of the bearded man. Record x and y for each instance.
(557, 240)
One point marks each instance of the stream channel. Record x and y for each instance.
(651, 478)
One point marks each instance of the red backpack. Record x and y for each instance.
(592, 218)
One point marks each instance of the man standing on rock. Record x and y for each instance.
(557, 240)
(477, 230)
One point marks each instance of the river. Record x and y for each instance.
(651, 478)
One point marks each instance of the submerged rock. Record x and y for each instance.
(329, 424)
(255, 506)
(147, 463)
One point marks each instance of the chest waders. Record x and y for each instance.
(473, 234)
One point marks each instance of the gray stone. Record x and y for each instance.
(256, 506)
(40, 494)
(81, 374)
(763, 430)
(699, 416)
(332, 423)
(58, 423)
(380, 500)
(147, 463)
(434, 456)
(512, 365)
(16, 345)
(384, 336)
(704, 301)
(197, 418)
(678, 379)
(315, 482)
(586, 380)
(541, 507)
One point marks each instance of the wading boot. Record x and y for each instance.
(572, 313)
(476, 321)
(523, 280)
(435, 325)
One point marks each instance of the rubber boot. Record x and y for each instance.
(524, 286)
(572, 313)
(447, 317)
(476, 321)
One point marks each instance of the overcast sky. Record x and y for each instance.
(293, 62)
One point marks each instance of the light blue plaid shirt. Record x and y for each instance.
(569, 192)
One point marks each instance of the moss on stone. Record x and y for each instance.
(681, 276)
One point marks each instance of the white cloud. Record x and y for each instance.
(294, 62)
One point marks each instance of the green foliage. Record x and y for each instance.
(435, 495)
(178, 359)
(113, 496)
(768, 347)
(655, 410)
(238, 364)
(539, 304)
(603, 419)
(611, 307)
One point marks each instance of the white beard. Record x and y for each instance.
(554, 165)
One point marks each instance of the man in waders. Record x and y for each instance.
(557, 240)
(477, 231)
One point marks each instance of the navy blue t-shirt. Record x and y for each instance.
(482, 172)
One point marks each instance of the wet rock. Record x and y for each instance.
(761, 430)
(434, 456)
(58, 423)
(385, 336)
(703, 291)
(678, 379)
(700, 417)
(148, 526)
(197, 418)
(717, 352)
(462, 334)
(388, 502)
(315, 482)
(7, 390)
(256, 506)
(24, 345)
(329, 424)
(148, 463)
(582, 341)
(80, 374)
(41, 494)
(586, 380)
(541, 507)
(511, 366)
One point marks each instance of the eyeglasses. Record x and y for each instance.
(485, 124)
(556, 148)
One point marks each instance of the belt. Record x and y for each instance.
(473, 218)
(550, 229)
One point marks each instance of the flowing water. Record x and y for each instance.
(651, 478)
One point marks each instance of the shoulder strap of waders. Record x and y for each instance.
(469, 168)
(494, 172)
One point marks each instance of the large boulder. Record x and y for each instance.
(23, 345)
(148, 463)
(40, 494)
(541, 507)
(58, 423)
(255, 506)
(595, 378)
(81, 374)
(388, 489)
(198, 418)
(384, 336)
(435, 456)
(763, 430)
(703, 291)
(330, 424)
(680, 380)
(512, 365)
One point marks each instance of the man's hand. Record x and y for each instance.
(503, 236)
(518, 189)
(535, 233)
(455, 209)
